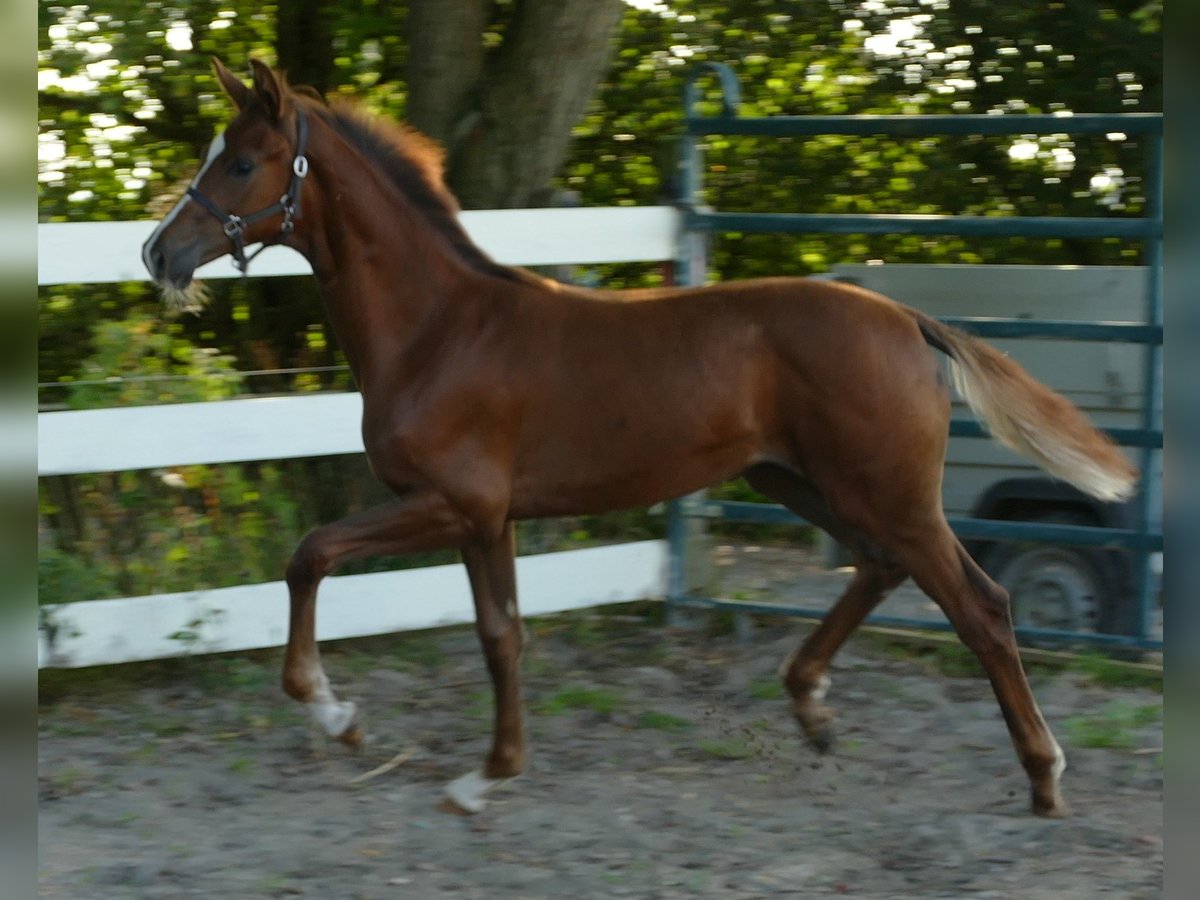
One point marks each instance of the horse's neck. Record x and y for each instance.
(385, 274)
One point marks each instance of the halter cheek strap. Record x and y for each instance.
(289, 204)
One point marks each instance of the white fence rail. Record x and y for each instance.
(255, 615)
(94, 632)
(188, 434)
(107, 252)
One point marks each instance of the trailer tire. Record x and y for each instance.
(1060, 587)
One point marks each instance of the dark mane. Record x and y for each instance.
(414, 163)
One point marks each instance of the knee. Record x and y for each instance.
(309, 562)
(503, 641)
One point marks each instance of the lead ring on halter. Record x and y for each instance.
(234, 226)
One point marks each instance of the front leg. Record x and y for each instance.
(418, 521)
(492, 569)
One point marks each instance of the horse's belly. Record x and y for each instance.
(614, 478)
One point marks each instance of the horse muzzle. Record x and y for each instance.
(171, 267)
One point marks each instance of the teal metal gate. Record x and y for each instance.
(1143, 540)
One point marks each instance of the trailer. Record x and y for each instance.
(1053, 585)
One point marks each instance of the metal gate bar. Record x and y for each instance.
(690, 267)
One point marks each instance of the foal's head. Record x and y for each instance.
(241, 193)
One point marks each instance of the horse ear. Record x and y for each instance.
(237, 91)
(269, 89)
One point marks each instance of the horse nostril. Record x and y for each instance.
(155, 260)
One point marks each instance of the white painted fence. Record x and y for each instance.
(93, 632)
(106, 252)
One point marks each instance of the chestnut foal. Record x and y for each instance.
(492, 395)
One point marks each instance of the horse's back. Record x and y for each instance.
(671, 390)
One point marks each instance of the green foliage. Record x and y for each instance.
(63, 577)
(185, 528)
(138, 361)
(572, 532)
(127, 103)
(970, 56)
(146, 532)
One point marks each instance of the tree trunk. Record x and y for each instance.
(445, 62)
(304, 42)
(505, 114)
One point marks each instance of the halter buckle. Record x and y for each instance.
(289, 212)
(233, 226)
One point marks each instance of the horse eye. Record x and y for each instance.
(241, 167)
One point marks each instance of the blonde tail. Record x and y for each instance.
(1029, 418)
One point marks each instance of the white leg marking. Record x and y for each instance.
(1060, 762)
(823, 684)
(334, 717)
(468, 791)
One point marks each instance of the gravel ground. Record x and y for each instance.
(663, 764)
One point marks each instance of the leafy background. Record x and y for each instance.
(127, 104)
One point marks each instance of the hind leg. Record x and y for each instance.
(804, 673)
(978, 608)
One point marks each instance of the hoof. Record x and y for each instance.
(354, 735)
(1047, 798)
(1053, 808)
(822, 739)
(466, 794)
(817, 724)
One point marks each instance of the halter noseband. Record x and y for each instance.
(289, 204)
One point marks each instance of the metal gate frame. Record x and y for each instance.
(1143, 540)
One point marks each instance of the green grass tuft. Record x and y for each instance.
(662, 721)
(766, 689)
(1113, 727)
(727, 748)
(601, 700)
(1115, 673)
